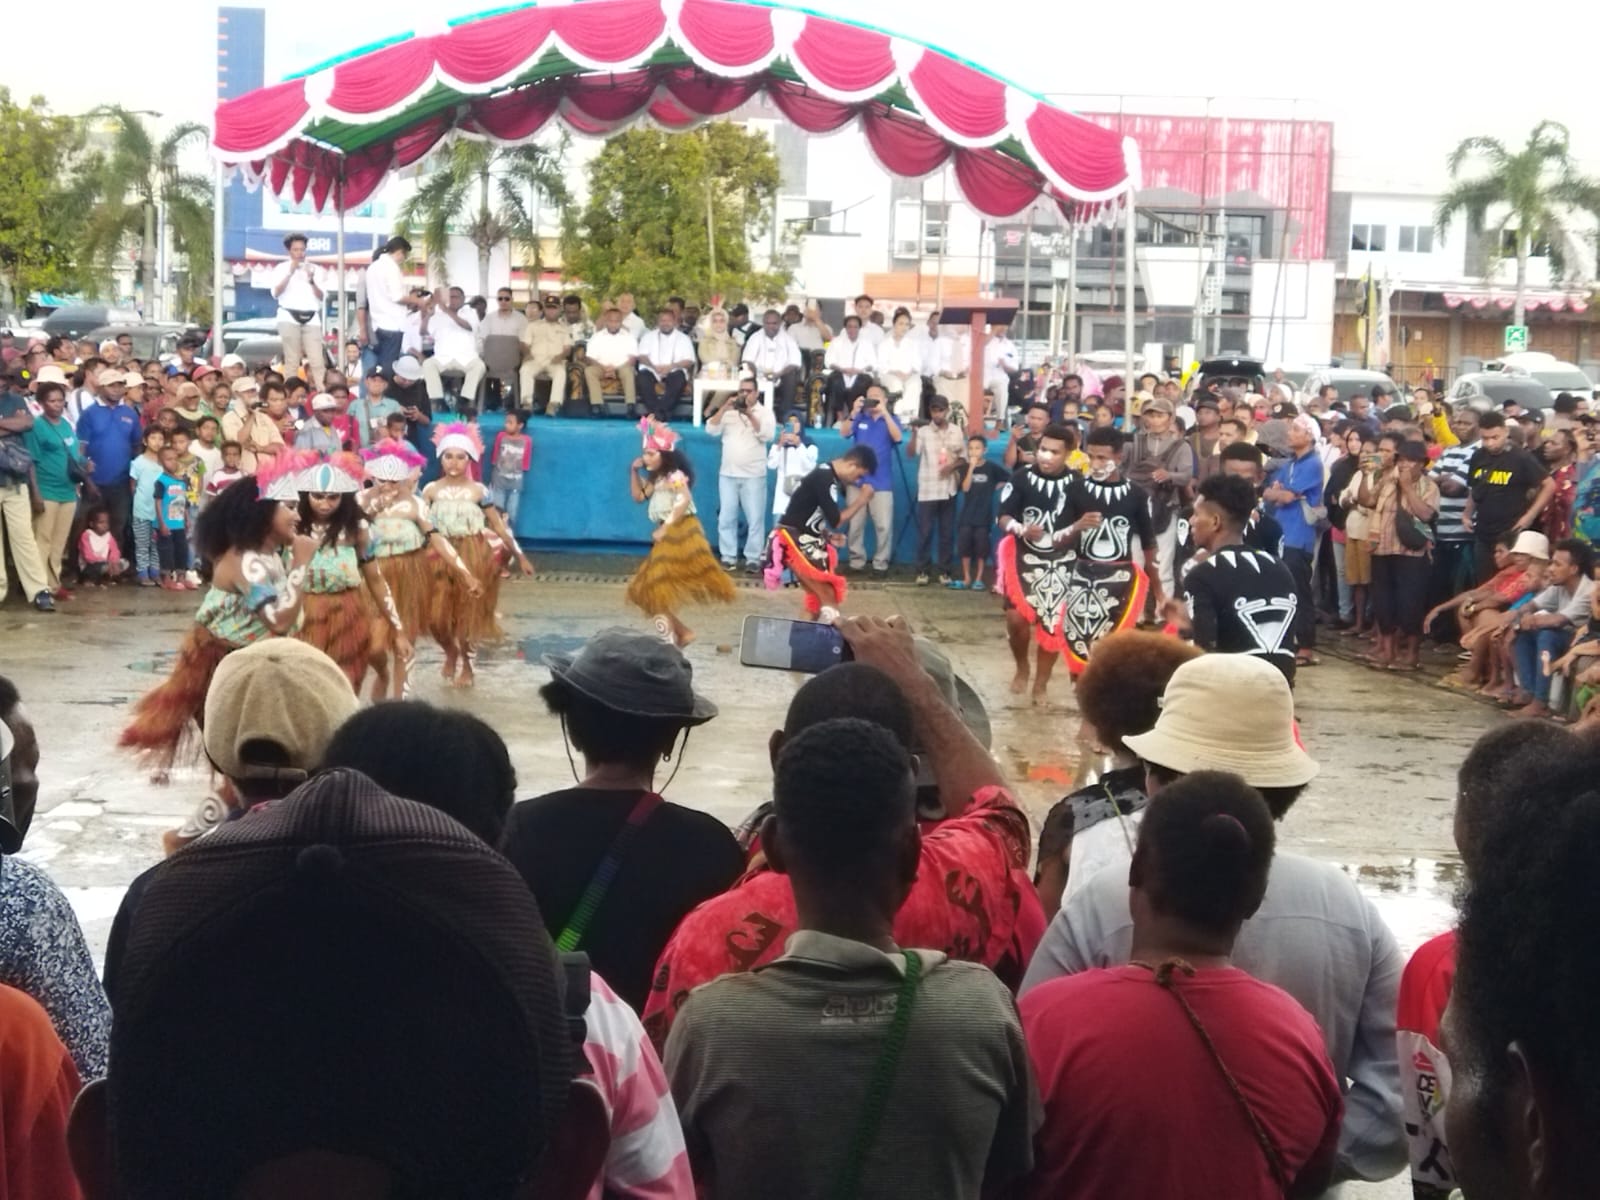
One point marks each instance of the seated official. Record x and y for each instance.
(851, 362)
(773, 357)
(611, 351)
(545, 345)
(666, 357)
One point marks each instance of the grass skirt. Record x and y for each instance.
(455, 614)
(164, 717)
(340, 624)
(411, 582)
(680, 571)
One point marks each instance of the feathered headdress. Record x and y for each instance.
(458, 435)
(278, 477)
(657, 436)
(392, 461)
(333, 474)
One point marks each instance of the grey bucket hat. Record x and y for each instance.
(634, 673)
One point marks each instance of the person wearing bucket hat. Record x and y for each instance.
(42, 947)
(252, 596)
(971, 898)
(1316, 935)
(613, 865)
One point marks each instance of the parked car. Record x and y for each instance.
(78, 319)
(1549, 370)
(234, 332)
(159, 340)
(260, 351)
(1483, 390)
(1230, 366)
(1353, 381)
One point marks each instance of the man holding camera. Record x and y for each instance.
(298, 286)
(871, 424)
(941, 453)
(746, 427)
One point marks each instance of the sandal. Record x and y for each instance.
(1310, 660)
(1405, 666)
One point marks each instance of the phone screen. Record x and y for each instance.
(785, 645)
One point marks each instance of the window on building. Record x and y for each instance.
(935, 228)
(1508, 246)
(1245, 234)
(1416, 239)
(1167, 228)
(1368, 237)
(920, 228)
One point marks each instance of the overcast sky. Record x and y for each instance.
(1402, 80)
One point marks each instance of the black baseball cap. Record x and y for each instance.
(345, 971)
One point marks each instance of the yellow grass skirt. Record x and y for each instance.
(455, 613)
(680, 571)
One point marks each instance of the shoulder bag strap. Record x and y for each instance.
(847, 1184)
(605, 874)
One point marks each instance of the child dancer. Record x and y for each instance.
(353, 625)
(402, 538)
(252, 596)
(461, 508)
(681, 568)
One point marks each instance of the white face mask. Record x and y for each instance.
(1102, 471)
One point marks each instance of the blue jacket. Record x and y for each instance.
(1303, 476)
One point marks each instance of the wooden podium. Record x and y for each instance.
(978, 315)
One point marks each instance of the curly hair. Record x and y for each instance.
(1119, 692)
(842, 791)
(1205, 847)
(604, 735)
(673, 460)
(1530, 906)
(449, 760)
(1494, 776)
(238, 519)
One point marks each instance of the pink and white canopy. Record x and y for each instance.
(1553, 301)
(334, 133)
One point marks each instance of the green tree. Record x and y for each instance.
(457, 196)
(131, 184)
(1539, 187)
(36, 228)
(672, 213)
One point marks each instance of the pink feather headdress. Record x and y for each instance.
(392, 460)
(458, 435)
(278, 477)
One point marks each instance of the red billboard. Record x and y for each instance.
(1253, 164)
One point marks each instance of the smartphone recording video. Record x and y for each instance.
(784, 645)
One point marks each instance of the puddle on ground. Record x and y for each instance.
(1416, 897)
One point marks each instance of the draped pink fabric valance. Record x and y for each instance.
(333, 134)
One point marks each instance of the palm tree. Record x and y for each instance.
(1538, 186)
(131, 185)
(457, 195)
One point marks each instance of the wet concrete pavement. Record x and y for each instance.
(1381, 806)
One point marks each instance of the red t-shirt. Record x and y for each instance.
(1136, 1107)
(972, 899)
(1424, 1070)
(1510, 584)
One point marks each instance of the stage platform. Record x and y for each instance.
(575, 498)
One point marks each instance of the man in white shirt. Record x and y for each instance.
(298, 286)
(504, 321)
(1000, 365)
(631, 322)
(454, 327)
(850, 362)
(389, 302)
(666, 355)
(871, 332)
(611, 348)
(746, 427)
(772, 355)
(950, 356)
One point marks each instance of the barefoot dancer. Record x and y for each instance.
(350, 613)
(462, 510)
(804, 540)
(681, 568)
(405, 543)
(252, 596)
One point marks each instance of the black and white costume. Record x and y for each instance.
(1243, 601)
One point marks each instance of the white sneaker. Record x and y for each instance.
(192, 578)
